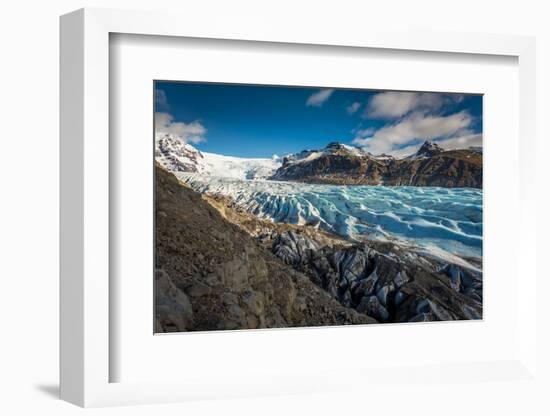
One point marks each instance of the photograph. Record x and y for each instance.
(292, 206)
(275, 208)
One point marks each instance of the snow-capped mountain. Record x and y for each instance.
(429, 149)
(306, 156)
(177, 156)
(336, 163)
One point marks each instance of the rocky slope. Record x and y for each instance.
(389, 282)
(212, 274)
(221, 268)
(345, 165)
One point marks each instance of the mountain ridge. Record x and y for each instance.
(336, 164)
(431, 165)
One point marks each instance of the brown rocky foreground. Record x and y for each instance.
(212, 275)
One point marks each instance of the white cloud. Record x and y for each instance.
(188, 132)
(352, 108)
(318, 99)
(462, 142)
(364, 132)
(411, 117)
(406, 151)
(161, 100)
(390, 138)
(393, 105)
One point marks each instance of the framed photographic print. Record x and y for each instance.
(279, 212)
(284, 206)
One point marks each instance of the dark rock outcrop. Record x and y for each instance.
(384, 280)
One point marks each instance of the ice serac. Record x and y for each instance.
(177, 156)
(346, 165)
(429, 217)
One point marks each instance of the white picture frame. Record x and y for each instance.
(85, 183)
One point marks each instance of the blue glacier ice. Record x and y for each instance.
(448, 219)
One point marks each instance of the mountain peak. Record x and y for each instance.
(334, 145)
(429, 149)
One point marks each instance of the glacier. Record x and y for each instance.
(432, 218)
(237, 167)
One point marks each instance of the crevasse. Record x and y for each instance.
(431, 217)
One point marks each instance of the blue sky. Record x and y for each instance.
(260, 121)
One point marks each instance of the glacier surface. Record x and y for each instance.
(431, 218)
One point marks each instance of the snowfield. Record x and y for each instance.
(238, 168)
